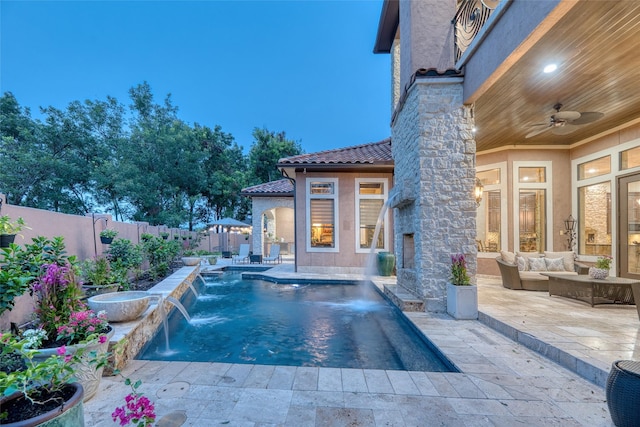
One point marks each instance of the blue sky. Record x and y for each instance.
(303, 67)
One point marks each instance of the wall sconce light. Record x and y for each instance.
(570, 228)
(477, 191)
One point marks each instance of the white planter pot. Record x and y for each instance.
(462, 301)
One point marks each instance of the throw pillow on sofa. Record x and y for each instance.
(523, 265)
(567, 256)
(554, 264)
(508, 257)
(537, 264)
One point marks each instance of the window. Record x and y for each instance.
(532, 206)
(630, 158)
(371, 195)
(322, 214)
(597, 167)
(489, 215)
(532, 220)
(594, 222)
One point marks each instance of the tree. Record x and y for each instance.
(267, 149)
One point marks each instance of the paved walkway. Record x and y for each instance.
(502, 381)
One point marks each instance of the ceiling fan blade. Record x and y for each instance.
(566, 115)
(537, 132)
(564, 129)
(588, 117)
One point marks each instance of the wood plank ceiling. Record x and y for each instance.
(597, 48)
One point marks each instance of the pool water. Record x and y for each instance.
(321, 325)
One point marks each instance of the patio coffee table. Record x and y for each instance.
(583, 287)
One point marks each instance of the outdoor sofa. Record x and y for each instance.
(518, 271)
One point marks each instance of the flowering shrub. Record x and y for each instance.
(138, 408)
(49, 375)
(604, 262)
(84, 326)
(58, 294)
(459, 276)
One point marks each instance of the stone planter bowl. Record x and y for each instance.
(191, 260)
(120, 306)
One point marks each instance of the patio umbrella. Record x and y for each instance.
(228, 223)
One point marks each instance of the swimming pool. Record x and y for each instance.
(235, 320)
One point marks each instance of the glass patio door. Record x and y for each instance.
(629, 226)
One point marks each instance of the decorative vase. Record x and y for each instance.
(598, 273)
(85, 372)
(462, 301)
(69, 413)
(6, 240)
(386, 262)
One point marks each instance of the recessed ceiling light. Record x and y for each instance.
(473, 129)
(550, 68)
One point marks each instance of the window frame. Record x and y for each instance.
(336, 221)
(384, 197)
(616, 172)
(547, 186)
(502, 187)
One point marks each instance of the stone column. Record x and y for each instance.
(434, 154)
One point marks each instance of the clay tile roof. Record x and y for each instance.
(372, 153)
(281, 187)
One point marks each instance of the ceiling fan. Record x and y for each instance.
(564, 122)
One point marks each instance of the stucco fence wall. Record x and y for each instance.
(82, 238)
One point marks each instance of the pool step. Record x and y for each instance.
(402, 298)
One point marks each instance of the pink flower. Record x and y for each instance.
(102, 339)
(62, 350)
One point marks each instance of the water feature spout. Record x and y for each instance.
(370, 266)
(194, 290)
(177, 304)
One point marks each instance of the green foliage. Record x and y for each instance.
(13, 283)
(267, 149)
(97, 272)
(124, 254)
(20, 267)
(147, 166)
(7, 226)
(159, 253)
(108, 233)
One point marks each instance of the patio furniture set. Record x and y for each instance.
(245, 256)
(566, 278)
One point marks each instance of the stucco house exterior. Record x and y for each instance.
(336, 196)
(534, 106)
(539, 100)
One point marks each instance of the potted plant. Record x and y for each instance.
(9, 229)
(107, 235)
(145, 237)
(190, 258)
(164, 235)
(462, 296)
(98, 277)
(602, 267)
(40, 390)
(64, 320)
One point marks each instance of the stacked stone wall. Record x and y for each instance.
(434, 155)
